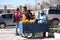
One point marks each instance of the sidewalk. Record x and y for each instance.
(9, 34)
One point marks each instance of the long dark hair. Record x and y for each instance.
(17, 9)
(25, 8)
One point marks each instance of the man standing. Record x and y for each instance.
(42, 18)
(24, 9)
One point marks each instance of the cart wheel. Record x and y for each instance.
(27, 34)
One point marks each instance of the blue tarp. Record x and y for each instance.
(36, 28)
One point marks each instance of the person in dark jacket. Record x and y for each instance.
(29, 15)
(24, 9)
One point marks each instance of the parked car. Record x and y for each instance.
(53, 16)
(6, 19)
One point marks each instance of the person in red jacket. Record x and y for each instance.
(17, 15)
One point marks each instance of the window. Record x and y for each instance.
(58, 11)
(8, 11)
(7, 16)
(54, 11)
(3, 16)
(0, 11)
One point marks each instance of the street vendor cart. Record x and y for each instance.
(30, 30)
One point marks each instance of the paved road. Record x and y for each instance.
(9, 34)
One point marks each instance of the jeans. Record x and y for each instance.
(17, 26)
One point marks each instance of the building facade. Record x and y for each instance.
(7, 9)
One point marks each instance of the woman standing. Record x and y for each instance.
(17, 15)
